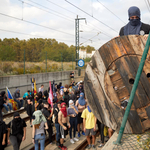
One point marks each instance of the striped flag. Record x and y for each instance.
(50, 98)
(33, 85)
(10, 98)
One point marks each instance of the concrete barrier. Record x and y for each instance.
(23, 82)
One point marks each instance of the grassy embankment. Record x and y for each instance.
(16, 68)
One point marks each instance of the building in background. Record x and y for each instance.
(83, 54)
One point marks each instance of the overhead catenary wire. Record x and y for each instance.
(47, 8)
(111, 12)
(91, 16)
(55, 12)
(99, 30)
(36, 24)
(61, 7)
(90, 39)
(78, 15)
(31, 34)
(147, 5)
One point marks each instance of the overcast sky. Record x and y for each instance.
(56, 19)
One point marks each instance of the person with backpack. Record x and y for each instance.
(3, 132)
(16, 131)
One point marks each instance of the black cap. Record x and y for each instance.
(16, 114)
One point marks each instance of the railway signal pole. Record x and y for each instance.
(77, 38)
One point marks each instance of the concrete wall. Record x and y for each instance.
(23, 82)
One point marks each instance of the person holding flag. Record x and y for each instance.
(50, 98)
(33, 85)
(10, 98)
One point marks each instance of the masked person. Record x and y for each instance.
(39, 124)
(18, 99)
(63, 120)
(17, 131)
(81, 104)
(56, 110)
(135, 26)
(30, 107)
(72, 112)
(48, 115)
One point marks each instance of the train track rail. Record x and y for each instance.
(11, 113)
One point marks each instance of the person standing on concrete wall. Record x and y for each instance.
(41, 89)
(72, 75)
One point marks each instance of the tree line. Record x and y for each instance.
(36, 50)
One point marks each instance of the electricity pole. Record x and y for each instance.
(77, 38)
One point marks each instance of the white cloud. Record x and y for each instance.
(32, 14)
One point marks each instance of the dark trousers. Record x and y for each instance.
(16, 141)
(73, 124)
(57, 126)
(1, 115)
(50, 132)
(101, 130)
(20, 103)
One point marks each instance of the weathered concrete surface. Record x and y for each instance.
(23, 82)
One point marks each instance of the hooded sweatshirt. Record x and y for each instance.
(81, 99)
(16, 94)
(134, 25)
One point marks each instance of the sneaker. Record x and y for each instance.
(12, 111)
(79, 134)
(101, 145)
(64, 148)
(57, 143)
(99, 141)
(83, 133)
(89, 146)
(60, 147)
(75, 139)
(93, 147)
(8, 111)
(71, 141)
(22, 108)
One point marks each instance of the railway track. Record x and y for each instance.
(11, 113)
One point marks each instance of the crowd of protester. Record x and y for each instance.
(70, 112)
